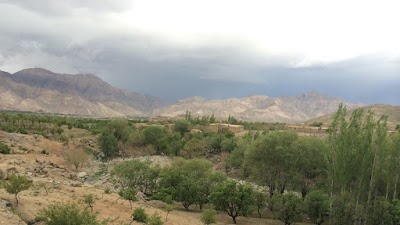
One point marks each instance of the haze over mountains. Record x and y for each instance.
(40, 90)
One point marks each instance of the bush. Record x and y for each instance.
(4, 149)
(107, 190)
(66, 214)
(45, 152)
(155, 219)
(140, 215)
(209, 216)
(317, 206)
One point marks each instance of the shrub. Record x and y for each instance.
(107, 190)
(4, 148)
(155, 219)
(76, 157)
(209, 216)
(66, 214)
(45, 152)
(89, 200)
(140, 215)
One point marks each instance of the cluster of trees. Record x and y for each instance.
(176, 141)
(49, 125)
(356, 167)
(194, 182)
(354, 171)
(206, 120)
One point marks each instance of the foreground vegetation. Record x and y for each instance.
(349, 177)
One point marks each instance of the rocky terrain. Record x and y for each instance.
(54, 180)
(290, 109)
(40, 90)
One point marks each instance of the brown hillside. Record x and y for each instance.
(40, 90)
(289, 109)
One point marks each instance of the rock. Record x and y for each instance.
(76, 184)
(45, 171)
(141, 196)
(5, 203)
(73, 176)
(40, 161)
(82, 175)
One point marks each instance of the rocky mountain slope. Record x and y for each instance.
(40, 90)
(288, 109)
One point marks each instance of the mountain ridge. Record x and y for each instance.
(289, 109)
(38, 89)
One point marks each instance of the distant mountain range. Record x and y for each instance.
(40, 90)
(289, 109)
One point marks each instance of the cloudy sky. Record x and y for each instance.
(212, 48)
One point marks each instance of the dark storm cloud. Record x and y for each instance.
(39, 33)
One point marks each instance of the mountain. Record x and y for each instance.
(393, 113)
(40, 90)
(289, 109)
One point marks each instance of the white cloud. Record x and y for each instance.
(319, 31)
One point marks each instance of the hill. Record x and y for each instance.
(392, 111)
(40, 90)
(289, 109)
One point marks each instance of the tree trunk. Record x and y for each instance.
(371, 184)
(234, 219)
(16, 198)
(395, 186)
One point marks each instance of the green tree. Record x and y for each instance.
(120, 128)
(140, 175)
(357, 158)
(235, 199)
(188, 181)
(108, 145)
(271, 159)
(128, 194)
(156, 136)
(182, 126)
(209, 216)
(261, 202)
(317, 206)
(343, 209)
(194, 148)
(168, 208)
(15, 184)
(289, 208)
(310, 165)
(66, 214)
(380, 212)
(89, 200)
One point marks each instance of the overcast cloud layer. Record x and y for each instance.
(216, 49)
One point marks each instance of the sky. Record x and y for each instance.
(212, 48)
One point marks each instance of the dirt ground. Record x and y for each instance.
(51, 173)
